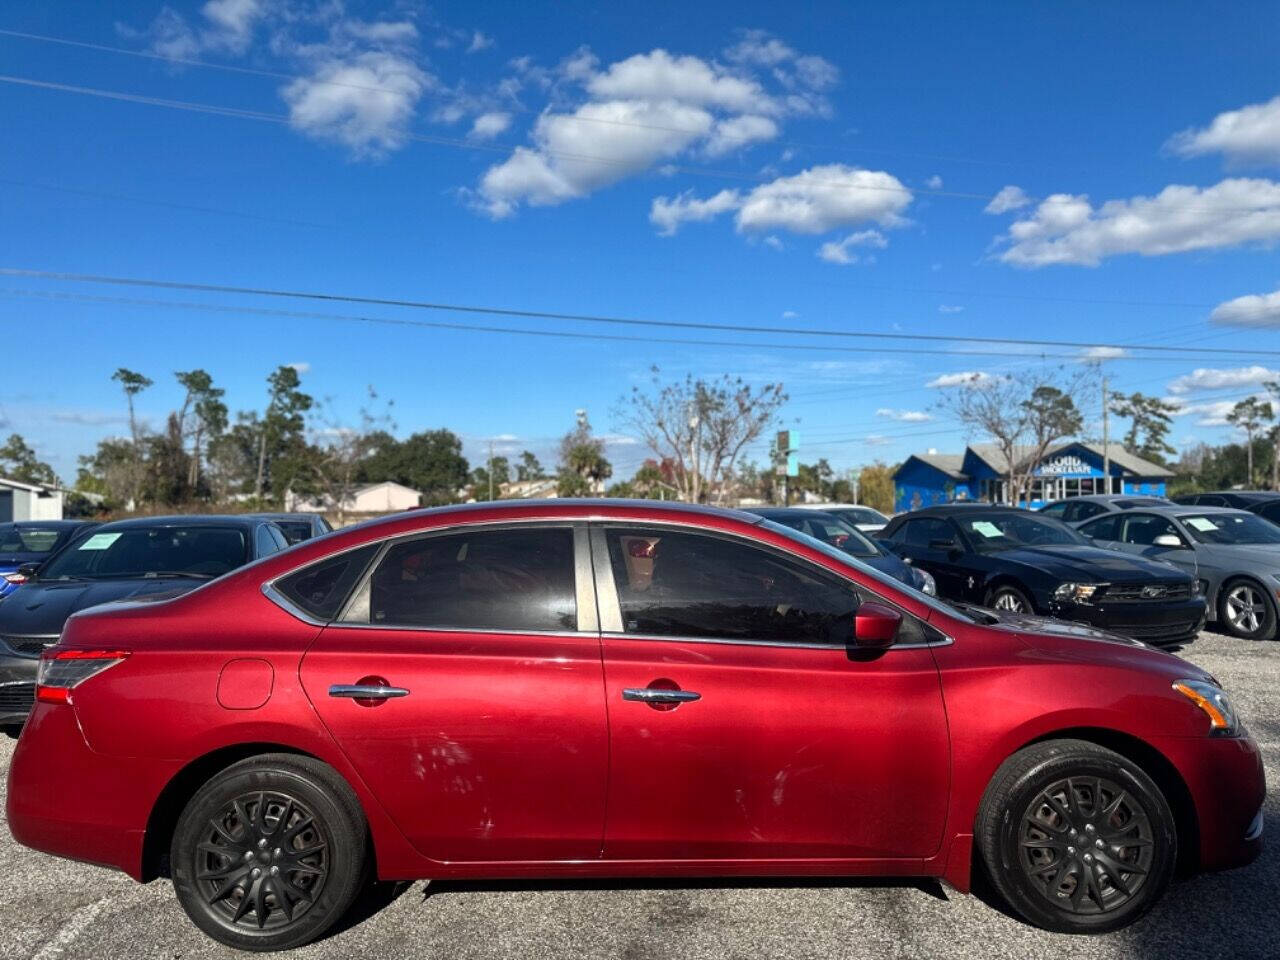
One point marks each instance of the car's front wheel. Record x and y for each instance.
(1075, 837)
(270, 853)
(1009, 600)
(1244, 610)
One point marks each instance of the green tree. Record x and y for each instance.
(282, 445)
(1150, 420)
(18, 461)
(202, 418)
(583, 466)
(529, 468)
(430, 462)
(133, 383)
(875, 487)
(1249, 415)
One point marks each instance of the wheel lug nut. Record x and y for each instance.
(1088, 858)
(1071, 851)
(276, 852)
(256, 872)
(274, 871)
(262, 843)
(1099, 844)
(248, 854)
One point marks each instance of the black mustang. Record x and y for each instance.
(1017, 562)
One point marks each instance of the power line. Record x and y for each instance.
(628, 321)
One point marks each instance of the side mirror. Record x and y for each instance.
(1167, 540)
(23, 574)
(875, 625)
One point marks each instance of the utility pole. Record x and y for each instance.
(1106, 437)
(490, 469)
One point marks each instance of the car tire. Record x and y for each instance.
(1245, 610)
(270, 853)
(1009, 599)
(1076, 882)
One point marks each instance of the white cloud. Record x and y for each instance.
(959, 379)
(479, 41)
(1067, 229)
(667, 214)
(1255, 310)
(904, 416)
(1009, 198)
(790, 315)
(1207, 378)
(227, 26)
(825, 198)
(773, 242)
(759, 49)
(1250, 134)
(640, 112)
(1103, 353)
(1210, 414)
(490, 124)
(934, 182)
(949, 308)
(876, 440)
(301, 366)
(842, 251)
(364, 102)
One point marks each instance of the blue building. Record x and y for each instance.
(982, 473)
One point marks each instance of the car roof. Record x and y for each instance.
(577, 507)
(797, 513)
(1242, 494)
(1181, 509)
(55, 524)
(246, 521)
(952, 509)
(284, 516)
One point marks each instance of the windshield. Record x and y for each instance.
(993, 532)
(25, 539)
(850, 561)
(202, 552)
(1230, 528)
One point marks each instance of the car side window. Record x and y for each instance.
(1104, 528)
(322, 588)
(1058, 509)
(264, 543)
(1143, 528)
(1085, 510)
(921, 533)
(677, 584)
(483, 579)
(282, 542)
(1207, 501)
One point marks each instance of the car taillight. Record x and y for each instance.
(61, 670)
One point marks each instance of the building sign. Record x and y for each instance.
(1064, 466)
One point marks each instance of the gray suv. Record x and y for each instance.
(1235, 555)
(1080, 509)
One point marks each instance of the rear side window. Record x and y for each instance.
(1104, 528)
(1055, 509)
(1086, 509)
(322, 588)
(265, 542)
(489, 580)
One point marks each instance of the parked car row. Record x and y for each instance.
(56, 569)
(468, 691)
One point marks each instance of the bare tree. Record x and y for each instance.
(1023, 415)
(340, 449)
(133, 383)
(702, 427)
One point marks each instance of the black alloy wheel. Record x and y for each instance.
(1076, 838)
(270, 853)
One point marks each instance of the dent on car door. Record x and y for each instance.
(742, 725)
(464, 682)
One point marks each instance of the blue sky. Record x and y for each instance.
(1034, 171)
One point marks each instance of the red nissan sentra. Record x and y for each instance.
(613, 688)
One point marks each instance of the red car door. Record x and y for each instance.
(464, 683)
(742, 725)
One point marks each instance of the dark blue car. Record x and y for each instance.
(33, 542)
(842, 534)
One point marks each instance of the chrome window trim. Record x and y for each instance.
(611, 608)
(584, 583)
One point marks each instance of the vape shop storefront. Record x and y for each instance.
(982, 473)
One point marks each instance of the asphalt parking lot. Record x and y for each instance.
(54, 908)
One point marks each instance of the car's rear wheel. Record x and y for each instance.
(1076, 838)
(270, 853)
(1009, 600)
(1245, 610)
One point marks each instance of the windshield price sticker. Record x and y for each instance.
(987, 528)
(1203, 524)
(100, 541)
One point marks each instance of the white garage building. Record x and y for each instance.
(28, 501)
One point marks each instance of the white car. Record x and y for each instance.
(864, 518)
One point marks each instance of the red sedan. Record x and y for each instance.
(613, 688)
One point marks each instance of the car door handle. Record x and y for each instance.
(658, 695)
(366, 691)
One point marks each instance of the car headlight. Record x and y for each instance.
(1215, 704)
(924, 581)
(1076, 592)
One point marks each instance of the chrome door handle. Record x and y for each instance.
(366, 691)
(657, 695)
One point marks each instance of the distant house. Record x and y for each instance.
(1070, 469)
(28, 501)
(385, 497)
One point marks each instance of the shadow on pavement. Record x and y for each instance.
(926, 885)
